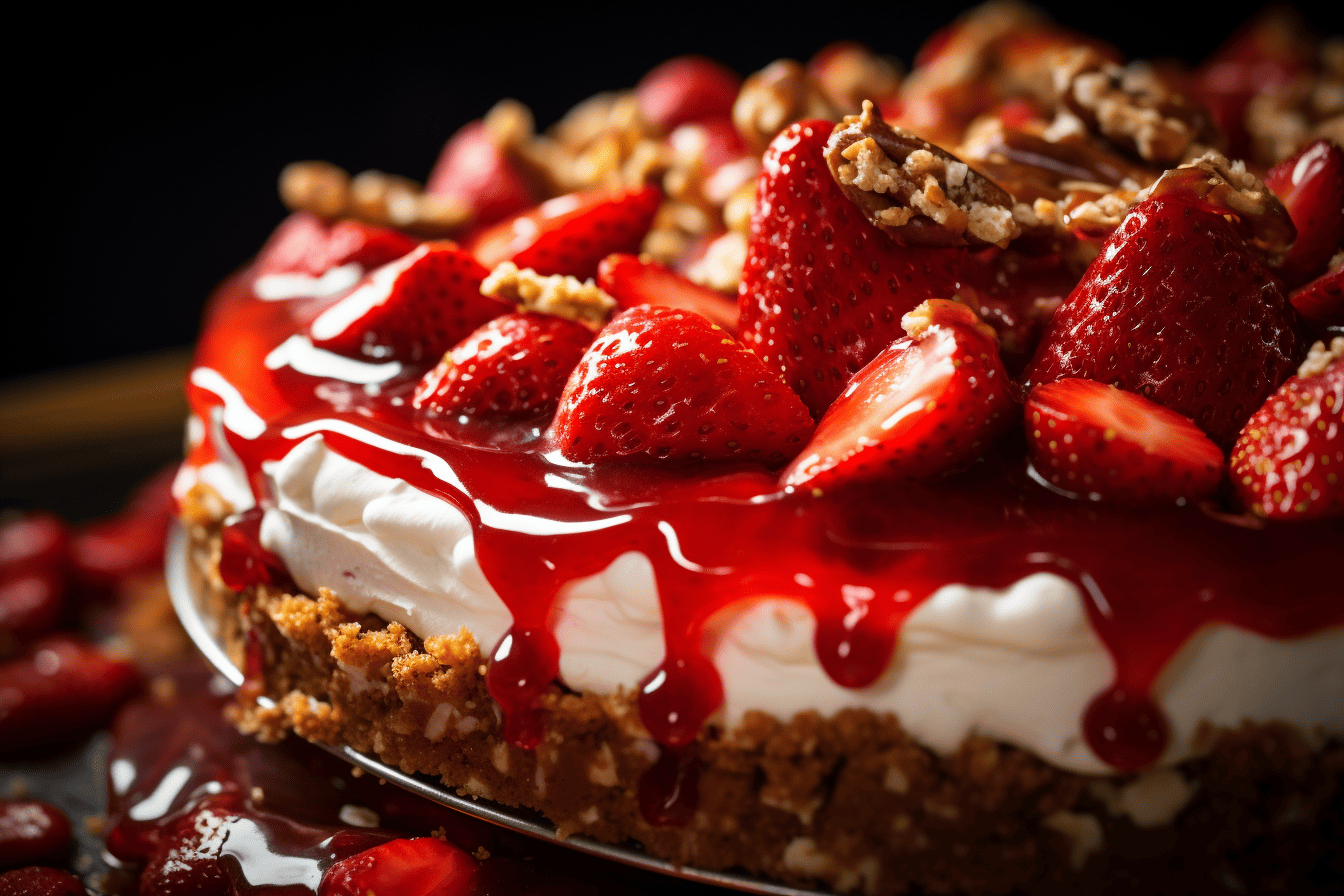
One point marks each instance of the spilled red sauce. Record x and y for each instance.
(860, 560)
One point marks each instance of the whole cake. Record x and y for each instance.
(887, 483)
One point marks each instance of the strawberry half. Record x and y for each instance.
(1311, 187)
(1322, 300)
(1179, 310)
(823, 290)
(411, 310)
(1288, 463)
(667, 385)
(570, 234)
(473, 170)
(928, 404)
(304, 244)
(1092, 439)
(516, 364)
(632, 281)
(422, 866)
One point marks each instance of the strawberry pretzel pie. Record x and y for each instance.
(883, 482)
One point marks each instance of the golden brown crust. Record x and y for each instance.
(849, 802)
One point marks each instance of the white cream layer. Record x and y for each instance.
(1018, 665)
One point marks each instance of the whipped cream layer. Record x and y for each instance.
(1018, 665)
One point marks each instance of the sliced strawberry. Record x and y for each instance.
(422, 866)
(1179, 310)
(31, 604)
(32, 831)
(823, 290)
(36, 541)
(687, 88)
(570, 234)
(1288, 463)
(928, 404)
(60, 687)
(1311, 186)
(1322, 300)
(105, 553)
(667, 385)
(473, 170)
(515, 365)
(1098, 441)
(411, 310)
(39, 881)
(304, 244)
(633, 281)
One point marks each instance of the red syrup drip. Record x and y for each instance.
(243, 561)
(669, 792)
(861, 560)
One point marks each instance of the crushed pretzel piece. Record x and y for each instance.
(919, 193)
(558, 294)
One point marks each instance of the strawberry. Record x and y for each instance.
(38, 881)
(1311, 186)
(31, 604)
(1322, 300)
(304, 244)
(60, 687)
(516, 364)
(1092, 439)
(422, 866)
(106, 552)
(473, 170)
(411, 310)
(570, 234)
(1177, 308)
(38, 540)
(1288, 463)
(928, 404)
(668, 385)
(823, 290)
(687, 88)
(633, 281)
(32, 831)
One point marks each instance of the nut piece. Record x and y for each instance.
(1227, 186)
(373, 197)
(1131, 107)
(557, 294)
(920, 194)
(318, 187)
(774, 98)
(849, 73)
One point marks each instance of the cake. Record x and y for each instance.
(988, 540)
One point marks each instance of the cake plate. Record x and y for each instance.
(187, 601)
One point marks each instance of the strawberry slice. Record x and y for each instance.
(32, 831)
(667, 385)
(35, 541)
(928, 404)
(411, 310)
(304, 244)
(422, 866)
(515, 365)
(1095, 440)
(687, 88)
(1322, 300)
(473, 170)
(633, 281)
(60, 687)
(823, 290)
(1288, 463)
(1311, 187)
(1178, 309)
(38, 881)
(570, 234)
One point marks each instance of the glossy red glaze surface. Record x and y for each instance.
(861, 560)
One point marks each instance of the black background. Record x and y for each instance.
(145, 150)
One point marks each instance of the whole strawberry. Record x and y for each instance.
(1288, 463)
(660, 384)
(928, 404)
(514, 365)
(413, 309)
(823, 290)
(1178, 309)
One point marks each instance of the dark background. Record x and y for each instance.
(147, 158)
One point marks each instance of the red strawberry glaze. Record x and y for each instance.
(861, 560)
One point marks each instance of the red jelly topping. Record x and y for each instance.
(717, 534)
